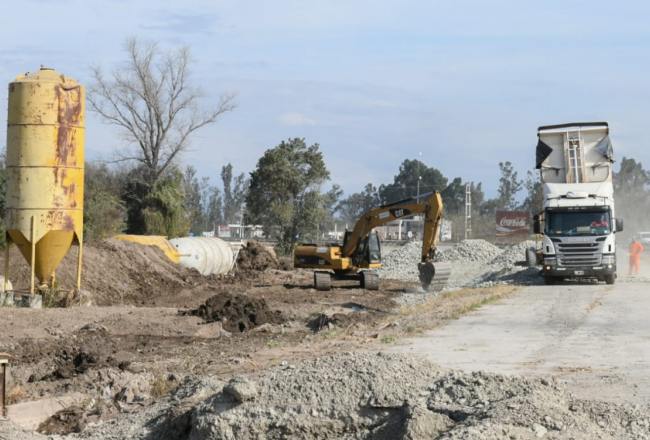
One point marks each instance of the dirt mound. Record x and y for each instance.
(256, 257)
(236, 312)
(116, 272)
(66, 421)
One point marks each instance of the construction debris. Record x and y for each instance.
(379, 396)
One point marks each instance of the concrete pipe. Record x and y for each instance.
(210, 256)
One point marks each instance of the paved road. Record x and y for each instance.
(596, 338)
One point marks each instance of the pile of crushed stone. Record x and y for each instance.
(237, 312)
(378, 396)
(479, 251)
(256, 257)
(474, 263)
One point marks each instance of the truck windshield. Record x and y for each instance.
(577, 223)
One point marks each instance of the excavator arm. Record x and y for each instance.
(432, 209)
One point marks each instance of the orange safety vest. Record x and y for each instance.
(636, 249)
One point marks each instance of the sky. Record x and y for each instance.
(460, 85)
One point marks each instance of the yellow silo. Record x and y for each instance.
(45, 170)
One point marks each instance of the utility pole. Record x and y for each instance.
(468, 211)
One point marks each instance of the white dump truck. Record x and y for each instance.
(578, 222)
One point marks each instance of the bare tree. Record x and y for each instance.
(151, 100)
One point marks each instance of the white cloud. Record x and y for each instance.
(295, 119)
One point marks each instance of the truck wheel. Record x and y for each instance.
(322, 281)
(549, 281)
(531, 257)
(369, 280)
(610, 279)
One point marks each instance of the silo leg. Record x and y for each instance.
(33, 262)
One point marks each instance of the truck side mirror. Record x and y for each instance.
(619, 224)
(537, 227)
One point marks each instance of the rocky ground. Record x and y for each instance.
(370, 395)
(474, 263)
(261, 354)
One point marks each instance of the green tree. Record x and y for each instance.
(330, 203)
(160, 211)
(104, 211)
(284, 192)
(194, 193)
(509, 186)
(234, 194)
(534, 201)
(214, 208)
(355, 205)
(453, 197)
(405, 183)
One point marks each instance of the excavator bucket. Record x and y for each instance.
(434, 277)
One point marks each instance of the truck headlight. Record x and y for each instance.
(609, 259)
(550, 261)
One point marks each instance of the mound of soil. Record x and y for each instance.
(255, 257)
(236, 312)
(66, 421)
(116, 272)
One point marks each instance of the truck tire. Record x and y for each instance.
(531, 257)
(322, 281)
(369, 280)
(610, 279)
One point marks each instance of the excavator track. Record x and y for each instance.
(434, 277)
(369, 280)
(322, 280)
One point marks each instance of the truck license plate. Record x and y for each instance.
(579, 272)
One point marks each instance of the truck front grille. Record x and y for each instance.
(579, 254)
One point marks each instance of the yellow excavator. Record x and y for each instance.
(360, 255)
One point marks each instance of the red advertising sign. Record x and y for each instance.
(513, 224)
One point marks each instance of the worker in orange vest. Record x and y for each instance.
(636, 248)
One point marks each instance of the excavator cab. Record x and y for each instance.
(368, 252)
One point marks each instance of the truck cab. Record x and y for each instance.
(578, 223)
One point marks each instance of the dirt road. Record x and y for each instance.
(593, 337)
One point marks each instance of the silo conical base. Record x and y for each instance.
(49, 251)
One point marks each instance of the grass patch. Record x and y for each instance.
(388, 339)
(161, 385)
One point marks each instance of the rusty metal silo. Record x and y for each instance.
(45, 170)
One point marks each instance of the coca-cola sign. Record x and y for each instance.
(511, 223)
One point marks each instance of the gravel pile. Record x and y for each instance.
(402, 263)
(511, 255)
(378, 396)
(469, 251)
(475, 263)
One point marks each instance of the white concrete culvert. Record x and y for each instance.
(380, 396)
